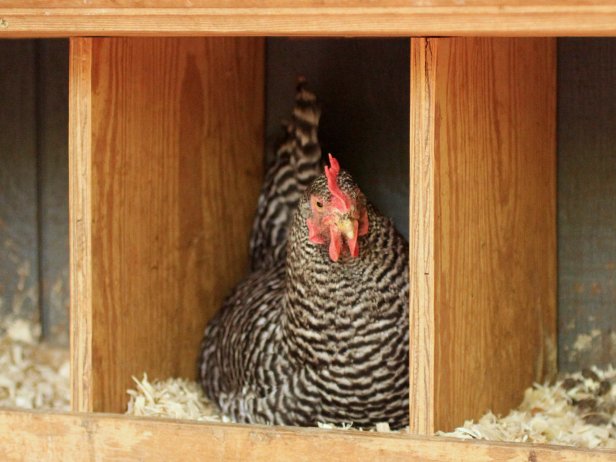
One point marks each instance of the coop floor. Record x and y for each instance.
(33, 374)
(577, 410)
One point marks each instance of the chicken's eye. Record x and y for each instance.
(316, 202)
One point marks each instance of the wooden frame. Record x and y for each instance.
(102, 283)
(60, 437)
(146, 265)
(36, 18)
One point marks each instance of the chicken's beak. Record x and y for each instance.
(347, 228)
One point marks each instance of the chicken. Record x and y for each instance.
(319, 330)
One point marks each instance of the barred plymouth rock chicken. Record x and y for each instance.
(318, 331)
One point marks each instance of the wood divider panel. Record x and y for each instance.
(165, 168)
(483, 225)
(60, 437)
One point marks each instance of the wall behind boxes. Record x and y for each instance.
(587, 202)
(362, 85)
(19, 278)
(34, 183)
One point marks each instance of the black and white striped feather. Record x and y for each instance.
(296, 164)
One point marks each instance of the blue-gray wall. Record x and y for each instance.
(34, 184)
(587, 202)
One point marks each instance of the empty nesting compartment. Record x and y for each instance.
(34, 291)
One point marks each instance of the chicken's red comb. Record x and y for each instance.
(341, 200)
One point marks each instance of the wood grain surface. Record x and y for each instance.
(36, 18)
(80, 223)
(421, 236)
(174, 161)
(491, 257)
(100, 437)
(241, 4)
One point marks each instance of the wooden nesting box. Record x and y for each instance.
(170, 171)
(166, 149)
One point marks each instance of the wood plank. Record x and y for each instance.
(240, 4)
(52, 116)
(587, 210)
(494, 239)
(421, 236)
(309, 17)
(80, 222)
(175, 169)
(19, 261)
(31, 436)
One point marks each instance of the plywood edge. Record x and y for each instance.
(421, 235)
(59, 437)
(80, 222)
(497, 19)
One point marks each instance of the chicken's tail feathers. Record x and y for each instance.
(296, 163)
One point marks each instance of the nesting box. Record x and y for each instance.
(166, 155)
(166, 165)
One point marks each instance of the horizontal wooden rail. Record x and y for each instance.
(35, 18)
(35, 436)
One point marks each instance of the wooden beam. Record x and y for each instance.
(80, 221)
(59, 437)
(167, 143)
(36, 18)
(483, 215)
(421, 236)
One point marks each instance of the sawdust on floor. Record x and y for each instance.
(33, 375)
(577, 410)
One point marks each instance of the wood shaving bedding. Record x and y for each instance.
(184, 399)
(579, 410)
(172, 398)
(33, 375)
